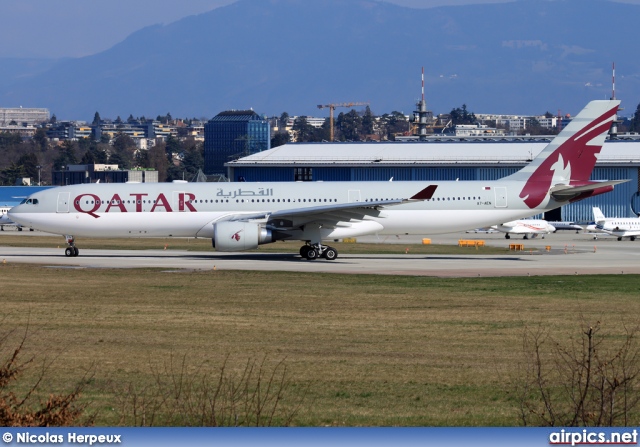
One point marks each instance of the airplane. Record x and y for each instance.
(526, 227)
(5, 220)
(4, 217)
(566, 226)
(242, 216)
(615, 226)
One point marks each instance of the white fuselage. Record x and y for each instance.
(4, 216)
(619, 227)
(191, 209)
(526, 226)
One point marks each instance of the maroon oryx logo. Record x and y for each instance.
(236, 236)
(572, 161)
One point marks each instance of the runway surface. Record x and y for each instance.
(569, 254)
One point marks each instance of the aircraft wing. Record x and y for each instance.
(329, 215)
(568, 192)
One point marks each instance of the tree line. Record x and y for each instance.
(174, 159)
(348, 126)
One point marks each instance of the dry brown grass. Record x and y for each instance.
(369, 350)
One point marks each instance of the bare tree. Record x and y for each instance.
(21, 409)
(181, 395)
(585, 382)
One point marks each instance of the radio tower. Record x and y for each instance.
(421, 113)
(613, 133)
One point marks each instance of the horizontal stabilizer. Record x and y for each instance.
(568, 192)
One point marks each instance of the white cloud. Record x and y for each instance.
(517, 44)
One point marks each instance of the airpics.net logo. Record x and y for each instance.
(70, 438)
(587, 437)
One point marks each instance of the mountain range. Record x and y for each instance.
(523, 57)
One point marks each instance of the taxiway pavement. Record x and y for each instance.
(569, 254)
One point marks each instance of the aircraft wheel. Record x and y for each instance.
(507, 236)
(304, 250)
(312, 254)
(76, 252)
(19, 228)
(619, 238)
(330, 254)
(632, 238)
(69, 251)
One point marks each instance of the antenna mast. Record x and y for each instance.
(421, 114)
(613, 133)
(613, 80)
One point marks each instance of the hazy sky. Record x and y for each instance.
(74, 28)
(45, 28)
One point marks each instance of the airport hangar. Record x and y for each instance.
(442, 158)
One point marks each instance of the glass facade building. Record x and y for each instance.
(233, 134)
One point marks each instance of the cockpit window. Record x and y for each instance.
(23, 201)
(30, 202)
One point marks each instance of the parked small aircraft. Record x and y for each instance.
(615, 226)
(526, 227)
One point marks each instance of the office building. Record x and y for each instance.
(233, 134)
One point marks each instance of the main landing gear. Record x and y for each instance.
(315, 251)
(71, 251)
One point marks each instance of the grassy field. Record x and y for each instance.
(368, 350)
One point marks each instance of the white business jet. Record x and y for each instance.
(241, 216)
(5, 220)
(526, 227)
(4, 217)
(615, 226)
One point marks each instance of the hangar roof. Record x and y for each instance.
(614, 152)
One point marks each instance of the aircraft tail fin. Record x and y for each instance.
(570, 157)
(597, 215)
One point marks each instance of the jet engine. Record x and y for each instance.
(238, 236)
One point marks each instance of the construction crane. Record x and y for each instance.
(332, 107)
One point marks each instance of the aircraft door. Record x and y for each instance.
(354, 195)
(501, 197)
(63, 202)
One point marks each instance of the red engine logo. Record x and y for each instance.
(236, 236)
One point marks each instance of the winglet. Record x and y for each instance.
(426, 193)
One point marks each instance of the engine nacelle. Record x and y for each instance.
(239, 236)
